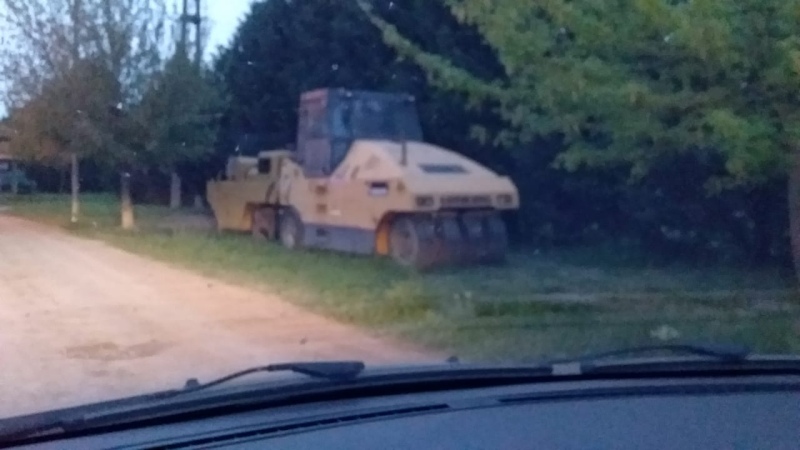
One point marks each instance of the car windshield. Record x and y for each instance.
(189, 189)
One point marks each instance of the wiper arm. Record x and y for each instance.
(324, 370)
(724, 352)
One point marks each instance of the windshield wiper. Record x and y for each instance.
(716, 355)
(345, 378)
(324, 370)
(725, 352)
(80, 417)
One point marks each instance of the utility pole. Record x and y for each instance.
(75, 180)
(184, 26)
(187, 20)
(194, 20)
(198, 38)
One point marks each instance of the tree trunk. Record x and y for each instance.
(75, 185)
(794, 210)
(14, 179)
(62, 180)
(175, 190)
(126, 205)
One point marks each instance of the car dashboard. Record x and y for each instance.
(743, 412)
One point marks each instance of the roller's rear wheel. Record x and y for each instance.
(259, 224)
(291, 230)
(404, 242)
(411, 242)
(496, 241)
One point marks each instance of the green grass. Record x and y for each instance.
(553, 303)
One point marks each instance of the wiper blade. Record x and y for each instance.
(723, 352)
(716, 356)
(324, 370)
(81, 417)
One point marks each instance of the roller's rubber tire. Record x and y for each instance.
(404, 242)
(291, 230)
(256, 229)
(497, 241)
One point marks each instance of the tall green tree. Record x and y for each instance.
(72, 65)
(283, 48)
(181, 109)
(636, 84)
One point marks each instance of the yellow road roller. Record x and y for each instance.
(360, 179)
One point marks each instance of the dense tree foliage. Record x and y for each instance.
(180, 109)
(72, 69)
(93, 84)
(599, 149)
(703, 90)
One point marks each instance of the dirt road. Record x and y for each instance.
(82, 321)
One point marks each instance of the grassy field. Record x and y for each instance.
(554, 303)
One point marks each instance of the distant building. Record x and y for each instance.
(5, 136)
(6, 160)
(12, 177)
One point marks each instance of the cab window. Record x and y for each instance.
(265, 165)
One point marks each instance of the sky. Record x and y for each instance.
(224, 17)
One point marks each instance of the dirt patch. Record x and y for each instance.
(109, 351)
